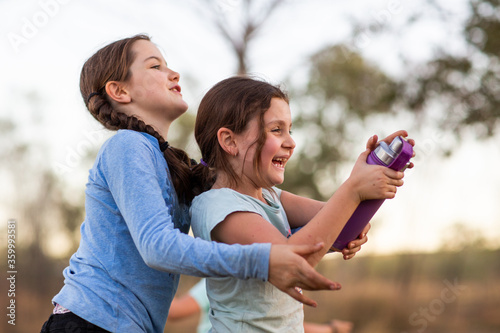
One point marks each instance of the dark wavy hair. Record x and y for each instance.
(231, 103)
(112, 63)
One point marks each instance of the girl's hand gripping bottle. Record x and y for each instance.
(396, 156)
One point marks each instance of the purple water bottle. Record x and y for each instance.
(396, 156)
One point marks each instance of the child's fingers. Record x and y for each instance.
(305, 275)
(349, 256)
(372, 143)
(312, 280)
(411, 141)
(391, 137)
(365, 230)
(364, 155)
(305, 250)
(355, 244)
(293, 292)
(393, 174)
(396, 182)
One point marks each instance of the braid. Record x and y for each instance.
(112, 63)
(178, 161)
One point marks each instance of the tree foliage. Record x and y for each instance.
(39, 199)
(465, 85)
(342, 76)
(343, 89)
(251, 17)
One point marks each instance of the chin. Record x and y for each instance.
(276, 182)
(179, 111)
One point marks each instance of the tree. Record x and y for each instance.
(461, 88)
(251, 17)
(465, 85)
(343, 90)
(39, 200)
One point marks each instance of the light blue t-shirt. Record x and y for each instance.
(133, 244)
(245, 305)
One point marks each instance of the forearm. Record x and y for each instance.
(299, 210)
(327, 224)
(133, 178)
(324, 227)
(183, 254)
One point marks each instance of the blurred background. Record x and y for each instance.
(352, 69)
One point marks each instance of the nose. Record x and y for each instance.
(173, 75)
(289, 142)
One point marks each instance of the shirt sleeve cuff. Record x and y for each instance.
(263, 251)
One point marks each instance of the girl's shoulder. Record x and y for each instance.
(126, 144)
(217, 200)
(129, 139)
(216, 195)
(129, 149)
(211, 208)
(219, 197)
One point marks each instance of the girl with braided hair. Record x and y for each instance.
(134, 242)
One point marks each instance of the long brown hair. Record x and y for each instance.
(231, 103)
(112, 63)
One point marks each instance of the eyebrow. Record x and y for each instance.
(152, 57)
(278, 122)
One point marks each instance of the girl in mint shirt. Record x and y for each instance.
(243, 129)
(133, 240)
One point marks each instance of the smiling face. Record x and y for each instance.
(276, 150)
(153, 87)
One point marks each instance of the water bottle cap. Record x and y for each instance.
(396, 145)
(384, 153)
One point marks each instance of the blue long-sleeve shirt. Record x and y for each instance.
(134, 244)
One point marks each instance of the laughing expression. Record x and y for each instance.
(277, 149)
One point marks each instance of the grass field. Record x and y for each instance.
(446, 292)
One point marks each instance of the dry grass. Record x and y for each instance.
(379, 294)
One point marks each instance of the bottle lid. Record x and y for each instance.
(384, 153)
(396, 145)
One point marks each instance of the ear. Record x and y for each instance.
(227, 141)
(117, 92)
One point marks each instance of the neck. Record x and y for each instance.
(243, 187)
(162, 129)
(160, 124)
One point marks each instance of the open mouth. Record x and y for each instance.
(176, 89)
(279, 162)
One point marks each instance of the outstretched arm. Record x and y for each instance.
(301, 210)
(288, 269)
(366, 182)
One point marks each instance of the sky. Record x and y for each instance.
(44, 43)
